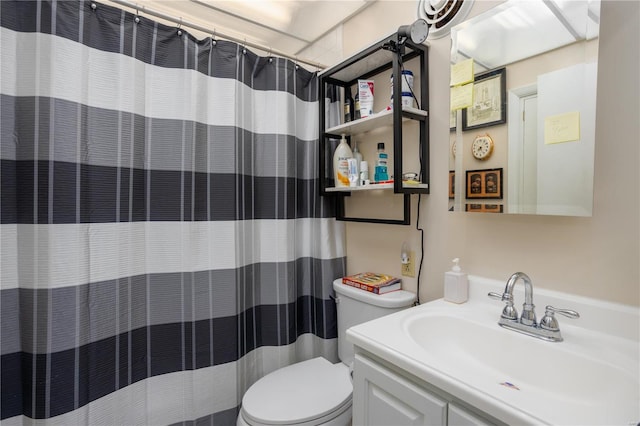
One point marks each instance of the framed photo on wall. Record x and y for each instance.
(452, 182)
(484, 184)
(489, 106)
(483, 208)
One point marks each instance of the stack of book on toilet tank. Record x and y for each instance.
(373, 282)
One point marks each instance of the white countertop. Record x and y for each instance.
(592, 377)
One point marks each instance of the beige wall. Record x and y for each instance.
(595, 257)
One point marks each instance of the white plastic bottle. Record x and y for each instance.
(341, 164)
(356, 153)
(364, 173)
(456, 284)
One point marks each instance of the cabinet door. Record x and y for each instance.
(461, 417)
(382, 397)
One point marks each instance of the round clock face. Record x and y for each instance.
(482, 147)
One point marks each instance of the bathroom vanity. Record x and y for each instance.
(442, 363)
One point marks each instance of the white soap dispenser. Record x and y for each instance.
(456, 284)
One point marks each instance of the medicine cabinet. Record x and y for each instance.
(404, 129)
(545, 143)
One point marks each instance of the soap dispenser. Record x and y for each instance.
(456, 284)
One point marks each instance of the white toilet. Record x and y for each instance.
(317, 392)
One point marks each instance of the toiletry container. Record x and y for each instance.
(406, 90)
(456, 284)
(316, 392)
(382, 158)
(348, 106)
(364, 173)
(358, 159)
(356, 152)
(341, 163)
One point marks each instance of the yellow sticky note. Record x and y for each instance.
(462, 73)
(562, 128)
(461, 96)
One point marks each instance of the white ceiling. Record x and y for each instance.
(289, 26)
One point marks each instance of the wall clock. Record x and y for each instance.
(482, 147)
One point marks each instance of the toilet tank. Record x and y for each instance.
(355, 306)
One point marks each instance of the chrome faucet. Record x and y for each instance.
(548, 328)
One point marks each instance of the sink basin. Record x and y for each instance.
(592, 377)
(504, 358)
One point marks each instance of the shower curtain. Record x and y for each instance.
(163, 241)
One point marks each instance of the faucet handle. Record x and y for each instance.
(494, 295)
(509, 312)
(549, 321)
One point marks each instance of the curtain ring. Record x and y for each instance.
(244, 47)
(213, 38)
(94, 6)
(270, 55)
(137, 18)
(180, 25)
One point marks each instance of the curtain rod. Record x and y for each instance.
(139, 8)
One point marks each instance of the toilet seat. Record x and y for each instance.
(310, 392)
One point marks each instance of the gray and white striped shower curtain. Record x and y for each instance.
(163, 242)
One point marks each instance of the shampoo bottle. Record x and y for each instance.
(456, 284)
(341, 158)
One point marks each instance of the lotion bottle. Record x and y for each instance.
(456, 284)
(341, 157)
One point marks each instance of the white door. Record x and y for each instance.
(528, 194)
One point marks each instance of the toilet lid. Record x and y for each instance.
(298, 393)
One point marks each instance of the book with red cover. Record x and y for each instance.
(373, 282)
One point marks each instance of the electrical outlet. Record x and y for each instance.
(408, 269)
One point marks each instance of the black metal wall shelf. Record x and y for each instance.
(390, 53)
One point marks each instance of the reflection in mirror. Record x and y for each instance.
(533, 66)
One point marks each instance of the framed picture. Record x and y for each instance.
(484, 183)
(452, 181)
(489, 106)
(483, 208)
(453, 119)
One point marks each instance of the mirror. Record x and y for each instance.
(523, 134)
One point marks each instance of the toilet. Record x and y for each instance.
(317, 392)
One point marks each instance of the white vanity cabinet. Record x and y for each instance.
(384, 397)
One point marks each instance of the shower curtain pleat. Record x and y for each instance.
(163, 242)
